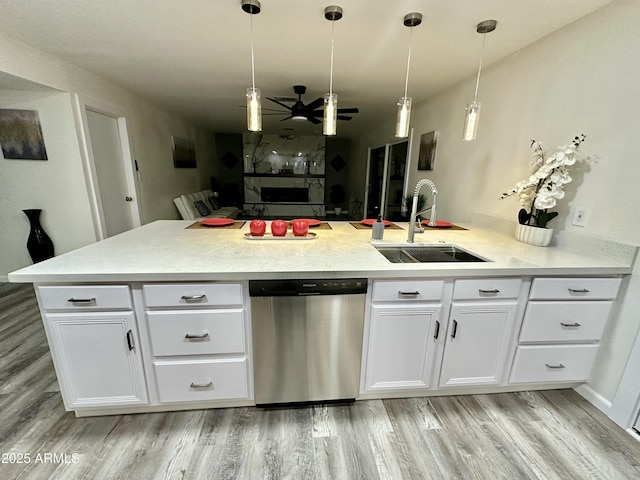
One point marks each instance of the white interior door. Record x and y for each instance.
(109, 167)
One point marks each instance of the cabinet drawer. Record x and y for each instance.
(564, 321)
(574, 288)
(198, 380)
(192, 294)
(90, 297)
(411, 290)
(553, 363)
(196, 332)
(486, 288)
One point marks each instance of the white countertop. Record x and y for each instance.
(165, 250)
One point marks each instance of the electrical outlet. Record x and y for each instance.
(580, 217)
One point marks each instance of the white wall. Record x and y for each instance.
(58, 185)
(581, 79)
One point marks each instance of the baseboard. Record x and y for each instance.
(594, 398)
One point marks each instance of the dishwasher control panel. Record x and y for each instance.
(323, 286)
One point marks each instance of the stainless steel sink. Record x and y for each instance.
(427, 254)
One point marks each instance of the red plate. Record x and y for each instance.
(312, 222)
(371, 221)
(217, 222)
(439, 223)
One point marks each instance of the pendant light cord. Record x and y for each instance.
(333, 24)
(475, 95)
(253, 74)
(406, 82)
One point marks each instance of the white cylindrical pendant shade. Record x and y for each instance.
(471, 121)
(404, 115)
(254, 110)
(330, 119)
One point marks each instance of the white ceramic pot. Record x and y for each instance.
(537, 236)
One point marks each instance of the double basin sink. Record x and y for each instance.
(427, 254)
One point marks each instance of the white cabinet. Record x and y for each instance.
(199, 337)
(561, 330)
(402, 342)
(96, 353)
(403, 332)
(477, 343)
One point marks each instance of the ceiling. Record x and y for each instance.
(193, 57)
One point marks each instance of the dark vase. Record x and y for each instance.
(39, 244)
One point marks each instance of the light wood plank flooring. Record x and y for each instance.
(530, 435)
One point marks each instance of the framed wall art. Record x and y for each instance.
(427, 153)
(21, 135)
(184, 153)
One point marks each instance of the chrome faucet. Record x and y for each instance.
(414, 207)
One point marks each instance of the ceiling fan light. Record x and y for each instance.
(404, 115)
(254, 110)
(330, 117)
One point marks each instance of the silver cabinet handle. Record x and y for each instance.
(455, 329)
(202, 385)
(408, 294)
(578, 290)
(554, 366)
(574, 324)
(437, 333)
(196, 336)
(495, 291)
(82, 301)
(194, 298)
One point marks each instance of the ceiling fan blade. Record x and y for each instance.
(342, 117)
(315, 104)
(279, 103)
(348, 110)
(313, 120)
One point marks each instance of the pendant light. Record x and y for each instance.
(404, 104)
(254, 107)
(473, 109)
(330, 117)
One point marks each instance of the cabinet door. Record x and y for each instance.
(97, 359)
(477, 343)
(402, 343)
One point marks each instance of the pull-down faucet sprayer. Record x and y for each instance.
(414, 208)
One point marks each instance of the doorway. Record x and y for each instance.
(387, 178)
(109, 168)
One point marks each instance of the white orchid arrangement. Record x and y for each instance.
(544, 187)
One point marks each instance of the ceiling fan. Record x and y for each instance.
(300, 111)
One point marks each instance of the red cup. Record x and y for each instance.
(279, 228)
(300, 228)
(258, 227)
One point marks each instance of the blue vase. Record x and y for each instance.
(39, 244)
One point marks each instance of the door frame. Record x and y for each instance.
(81, 104)
(383, 194)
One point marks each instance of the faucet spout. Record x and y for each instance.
(414, 207)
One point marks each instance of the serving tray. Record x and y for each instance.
(288, 236)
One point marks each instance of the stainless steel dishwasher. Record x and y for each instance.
(307, 339)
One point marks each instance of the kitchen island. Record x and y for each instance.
(132, 318)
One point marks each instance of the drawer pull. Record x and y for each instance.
(495, 291)
(575, 324)
(130, 340)
(455, 329)
(196, 336)
(82, 301)
(202, 385)
(554, 366)
(578, 290)
(437, 333)
(194, 298)
(408, 294)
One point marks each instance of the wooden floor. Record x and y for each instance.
(541, 435)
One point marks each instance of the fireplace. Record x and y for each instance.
(284, 195)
